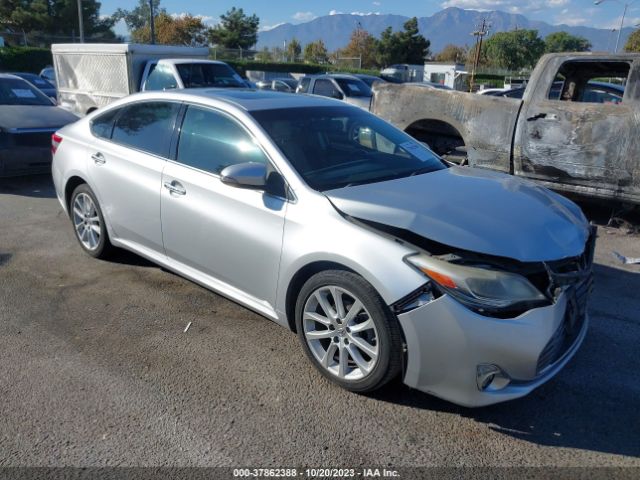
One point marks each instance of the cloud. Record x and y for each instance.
(205, 18)
(512, 6)
(376, 4)
(361, 14)
(303, 16)
(266, 28)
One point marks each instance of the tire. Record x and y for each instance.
(88, 223)
(360, 351)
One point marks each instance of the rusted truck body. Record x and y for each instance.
(556, 135)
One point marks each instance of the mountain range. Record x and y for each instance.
(451, 25)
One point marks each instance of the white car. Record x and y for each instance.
(324, 218)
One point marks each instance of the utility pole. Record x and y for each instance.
(152, 23)
(80, 21)
(479, 34)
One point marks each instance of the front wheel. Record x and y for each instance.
(348, 332)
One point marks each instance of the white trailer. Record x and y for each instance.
(452, 75)
(90, 76)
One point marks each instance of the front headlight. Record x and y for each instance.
(479, 288)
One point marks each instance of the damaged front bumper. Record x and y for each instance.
(474, 360)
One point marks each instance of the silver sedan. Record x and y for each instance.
(385, 260)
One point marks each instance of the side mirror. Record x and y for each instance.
(251, 175)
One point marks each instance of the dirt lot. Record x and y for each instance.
(95, 370)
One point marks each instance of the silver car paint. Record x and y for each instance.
(311, 230)
(471, 209)
(471, 340)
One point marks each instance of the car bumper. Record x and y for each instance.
(450, 348)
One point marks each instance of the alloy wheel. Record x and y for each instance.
(340, 333)
(86, 221)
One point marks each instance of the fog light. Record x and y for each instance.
(491, 377)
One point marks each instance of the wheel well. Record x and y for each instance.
(299, 279)
(441, 136)
(71, 185)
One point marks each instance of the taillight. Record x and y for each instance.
(56, 140)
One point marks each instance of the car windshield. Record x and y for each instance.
(15, 91)
(354, 87)
(197, 75)
(334, 147)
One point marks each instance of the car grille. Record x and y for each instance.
(575, 278)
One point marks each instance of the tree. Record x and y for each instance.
(264, 55)
(184, 30)
(633, 42)
(294, 49)
(236, 30)
(361, 45)
(315, 52)
(407, 46)
(452, 53)
(417, 47)
(565, 42)
(54, 17)
(514, 50)
(139, 16)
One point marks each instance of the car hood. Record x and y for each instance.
(475, 210)
(34, 116)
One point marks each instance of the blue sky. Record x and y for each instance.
(272, 13)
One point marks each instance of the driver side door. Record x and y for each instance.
(227, 237)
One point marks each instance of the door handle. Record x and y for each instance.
(98, 158)
(550, 116)
(175, 187)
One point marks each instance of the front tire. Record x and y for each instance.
(348, 332)
(88, 222)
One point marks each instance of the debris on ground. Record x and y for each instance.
(187, 327)
(626, 260)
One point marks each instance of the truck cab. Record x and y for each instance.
(166, 74)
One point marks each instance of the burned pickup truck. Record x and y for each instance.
(561, 133)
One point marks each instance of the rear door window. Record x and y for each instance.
(211, 141)
(146, 126)
(581, 81)
(304, 85)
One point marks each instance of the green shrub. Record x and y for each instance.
(24, 59)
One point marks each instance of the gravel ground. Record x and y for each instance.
(95, 370)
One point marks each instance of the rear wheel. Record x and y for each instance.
(88, 222)
(348, 332)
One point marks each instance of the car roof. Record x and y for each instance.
(248, 99)
(11, 75)
(178, 61)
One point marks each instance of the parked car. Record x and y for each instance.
(278, 84)
(331, 222)
(368, 79)
(40, 83)
(339, 86)
(28, 118)
(49, 74)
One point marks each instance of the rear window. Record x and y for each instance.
(102, 125)
(15, 91)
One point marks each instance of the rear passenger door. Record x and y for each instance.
(125, 166)
(230, 238)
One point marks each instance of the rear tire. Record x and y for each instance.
(348, 332)
(88, 222)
